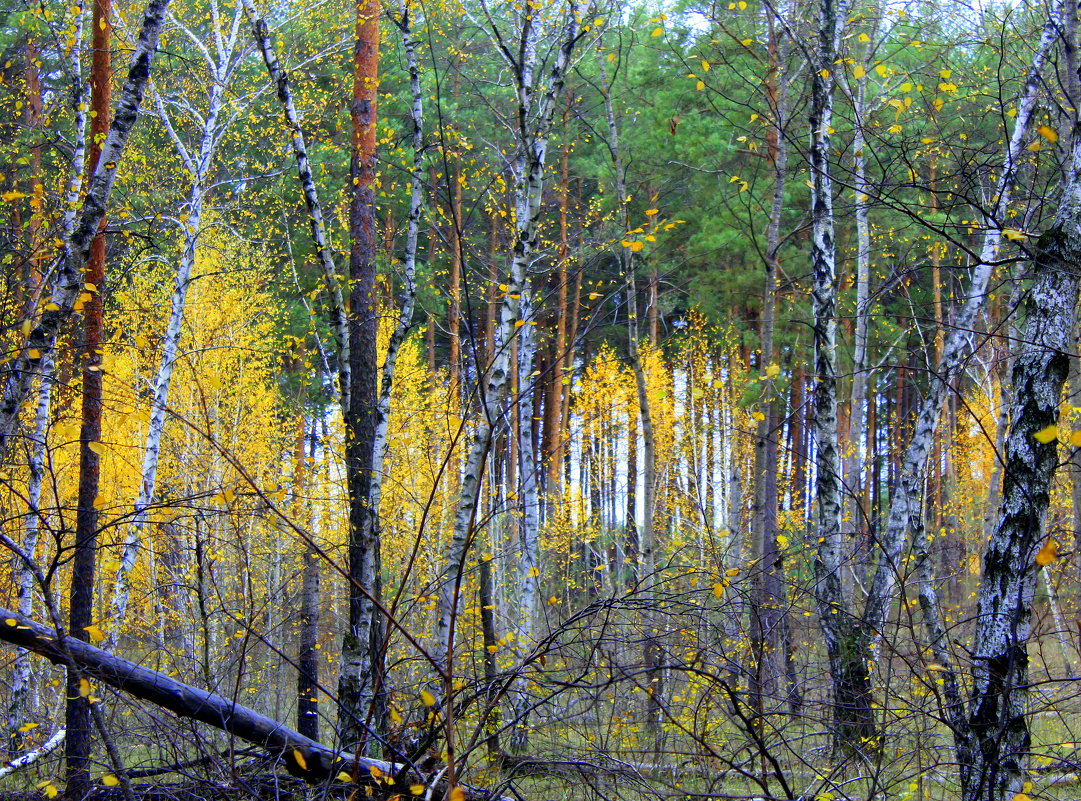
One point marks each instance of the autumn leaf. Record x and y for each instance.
(1048, 553)
(298, 757)
(84, 688)
(427, 698)
(457, 794)
(13, 195)
(1046, 435)
(95, 632)
(417, 789)
(109, 780)
(1048, 133)
(718, 590)
(1013, 235)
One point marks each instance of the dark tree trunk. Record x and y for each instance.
(361, 666)
(994, 758)
(81, 612)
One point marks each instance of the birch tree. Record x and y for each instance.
(69, 284)
(852, 719)
(536, 99)
(221, 64)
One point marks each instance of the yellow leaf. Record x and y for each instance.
(718, 589)
(10, 196)
(700, 85)
(28, 727)
(657, 32)
(824, 73)
(1022, 797)
(859, 71)
(593, 295)
(427, 698)
(84, 688)
(109, 780)
(1075, 439)
(11, 622)
(882, 70)
(96, 634)
(732, 571)
(1046, 435)
(376, 772)
(417, 789)
(298, 757)
(706, 66)
(33, 353)
(758, 417)
(773, 370)
(864, 38)
(636, 246)
(96, 447)
(1048, 133)
(395, 716)
(651, 212)
(1035, 147)
(1048, 553)
(344, 777)
(457, 794)
(1013, 235)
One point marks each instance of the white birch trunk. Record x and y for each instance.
(994, 757)
(905, 503)
(528, 169)
(199, 169)
(69, 281)
(280, 78)
(853, 723)
(529, 525)
(21, 681)
(853, 509)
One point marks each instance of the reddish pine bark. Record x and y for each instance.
(81, 612)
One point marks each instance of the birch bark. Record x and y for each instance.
(853, 723)
(69, 282)
(904, 504)
(529, 524)
(198, 168)
(994, 767)
(534, 124)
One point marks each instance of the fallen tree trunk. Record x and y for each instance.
(303, 757)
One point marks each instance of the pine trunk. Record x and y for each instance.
(358, 678)
(84, 560)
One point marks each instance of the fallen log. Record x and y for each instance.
(302, 756)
